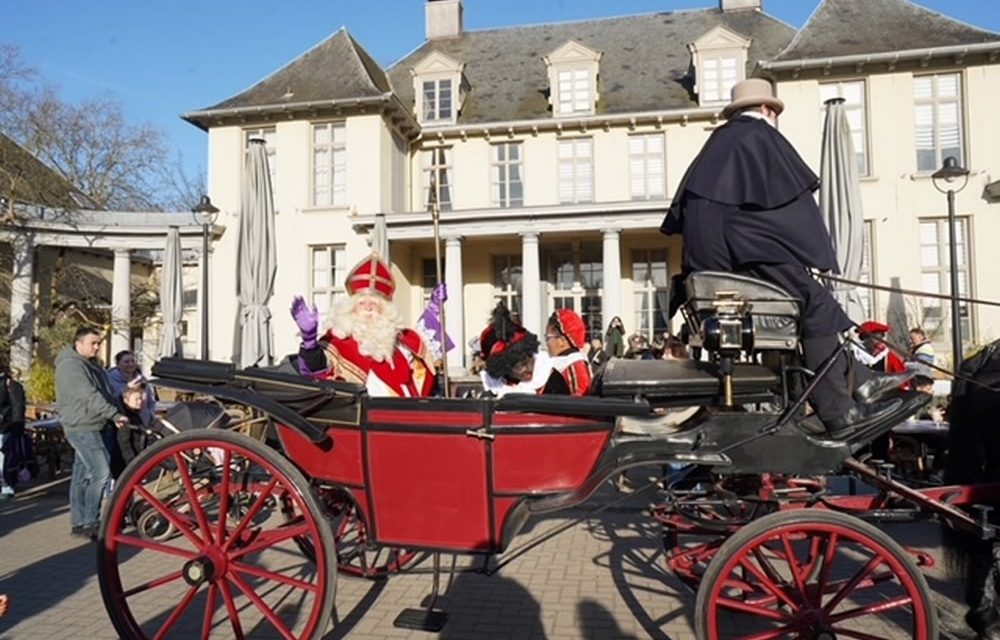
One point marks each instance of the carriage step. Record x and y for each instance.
(421, 619)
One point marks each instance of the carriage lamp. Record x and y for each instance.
(730, 329)
(945, 180)
(206, 213)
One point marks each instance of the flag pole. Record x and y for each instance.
(435, 207)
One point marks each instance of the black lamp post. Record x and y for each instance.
(206, 213)
(944, 180)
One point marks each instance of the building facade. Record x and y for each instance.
(552, 152)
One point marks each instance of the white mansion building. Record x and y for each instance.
(555, 149)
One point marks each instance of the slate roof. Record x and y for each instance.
(645, 63)
(26, 179)
(853, 27)
(336, 69)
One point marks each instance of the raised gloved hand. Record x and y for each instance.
(307, 319)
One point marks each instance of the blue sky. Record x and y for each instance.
(165, 57)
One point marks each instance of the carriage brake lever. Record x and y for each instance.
(482, 434)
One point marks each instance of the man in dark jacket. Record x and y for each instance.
(12, 409)
(746, 205)
(86, 406)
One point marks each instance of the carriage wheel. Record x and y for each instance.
(232, 567)
(812, 574)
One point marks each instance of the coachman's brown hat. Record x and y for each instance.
(750, 93)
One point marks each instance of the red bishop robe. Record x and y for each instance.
(409, 373)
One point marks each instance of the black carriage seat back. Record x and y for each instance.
(186, 416)
(684, 382)
(197, 371)
(774, 311)
(572, 405)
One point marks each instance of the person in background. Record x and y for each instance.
(87, 404)
(126, 378)
(873, 352)
(638, 348)
(614, 338)
(12, 409)
(921, 349)
(565, 337)
(597, 356)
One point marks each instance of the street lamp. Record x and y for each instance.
(206, 213)
(944, 180)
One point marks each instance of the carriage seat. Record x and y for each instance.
(775, 313)
(682, 383)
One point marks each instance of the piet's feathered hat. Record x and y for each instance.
(503, 343)
(869, 327)
(570, 325)
(371, 276)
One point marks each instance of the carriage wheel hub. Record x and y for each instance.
(815, 625)
(198, 571)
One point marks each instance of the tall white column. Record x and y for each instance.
(531, 283)
(22, 302)
(121, 304)
(454, 308)
(611, 305)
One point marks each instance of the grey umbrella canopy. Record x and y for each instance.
(840, 203)
(171, 295)
(257, 260)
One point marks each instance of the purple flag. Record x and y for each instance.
(429, 324)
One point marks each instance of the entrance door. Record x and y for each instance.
(575, 275)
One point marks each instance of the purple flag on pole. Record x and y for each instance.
(429, 324)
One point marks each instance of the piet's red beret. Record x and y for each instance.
(871, 326)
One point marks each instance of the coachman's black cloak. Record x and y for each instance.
(746, 205)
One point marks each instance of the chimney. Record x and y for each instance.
(740, 5)
(444, 18)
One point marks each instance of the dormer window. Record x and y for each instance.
(440, 88)
(437, 100)
(719, 60)
(573, 72)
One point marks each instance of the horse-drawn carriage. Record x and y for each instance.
(232, 530)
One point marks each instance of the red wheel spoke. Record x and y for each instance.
(852, 583)
(828, 556)
(248, 591)
(875, 608)
(765, 564)
(269, 539)
(252, 513)
(274, 577)
(152, 584)
(793, 565)
(169, 514)
(234, 615)
(193, 500)
(767, 584)
(736, 605)
(220, 534)
(152, 545)
(206, 623)
(176, 614)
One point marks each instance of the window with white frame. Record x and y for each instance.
(269, 135)
(329, 154)
(718, 75)
(935, 271)
(507, 182)
(646, 166)
(575, 96)
(437, 100)
(575, 276)
(651, 291)
(326, 283)
(507, 286)
(576, 170)
(867, 269)
(437, 170)
(938, 115)
(853, 93)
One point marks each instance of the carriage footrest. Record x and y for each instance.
(421, 619)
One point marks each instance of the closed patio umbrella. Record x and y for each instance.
(171, 295)
(380, 238)
(840, 203)
(257, 260)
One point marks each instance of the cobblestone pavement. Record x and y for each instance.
(603, 577)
